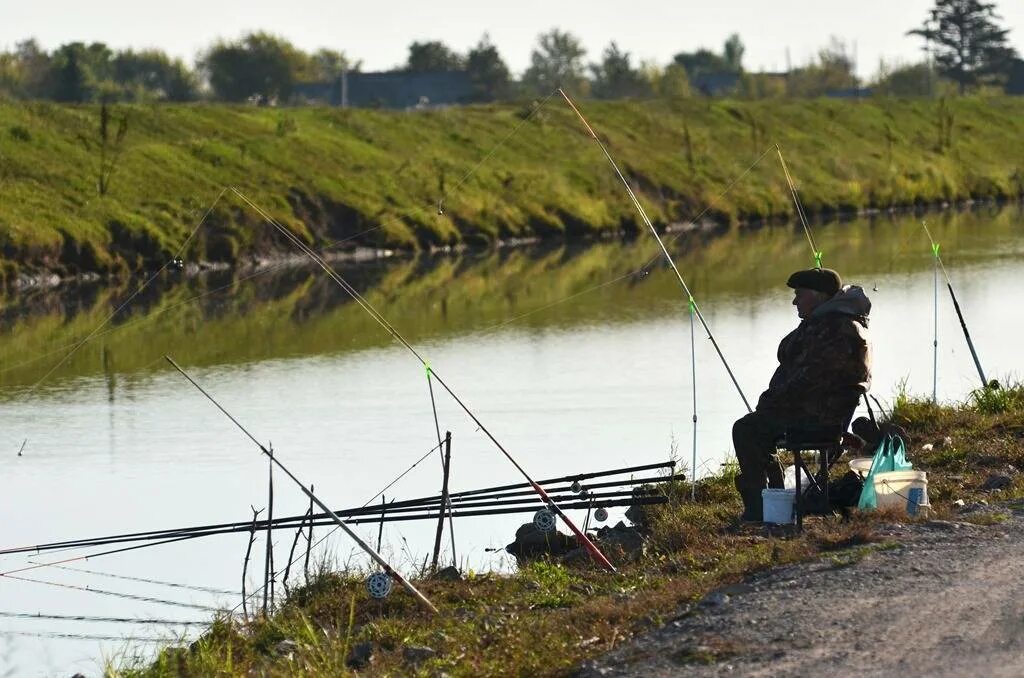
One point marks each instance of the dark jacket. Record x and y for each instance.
(824, 364)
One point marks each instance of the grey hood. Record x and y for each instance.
(850, 301)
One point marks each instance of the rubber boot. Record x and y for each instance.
(776, 475)
(753, 505)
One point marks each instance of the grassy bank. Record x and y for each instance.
(548, 617)
(334, 174)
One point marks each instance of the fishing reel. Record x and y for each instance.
(544, 520)
(379, 585)
(601, 514)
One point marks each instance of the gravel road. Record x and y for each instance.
(933, 599)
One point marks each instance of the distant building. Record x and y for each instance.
(850, 93)
(1015, 78)
(715, 84)
(391, 89)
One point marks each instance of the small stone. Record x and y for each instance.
(286, 648)
(927, 447)
(714, 599)
(959, 503)
(996, 481)
(450, 573)
(414, 654)
(361, 655)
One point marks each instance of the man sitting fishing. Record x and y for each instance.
(824, 368)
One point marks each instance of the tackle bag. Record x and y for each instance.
(891, 455)
(843, 493)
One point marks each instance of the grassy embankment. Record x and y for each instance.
(331, 174)
(548, 618)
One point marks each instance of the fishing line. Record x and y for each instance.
(815, 252)
(112, 620)
(590, 547)
(956, 307)
(116, 594)
(81, 636)
(191, 587)
(130, 298)
(37, 566)
(661, 244)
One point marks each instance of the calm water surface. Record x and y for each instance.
(119, 442)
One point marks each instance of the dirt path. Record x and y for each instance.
(946, 599)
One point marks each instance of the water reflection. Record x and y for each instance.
(223, 318)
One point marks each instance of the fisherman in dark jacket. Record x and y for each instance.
(824, 368)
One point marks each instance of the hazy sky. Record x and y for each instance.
(379, 33)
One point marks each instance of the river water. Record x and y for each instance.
(119, 442)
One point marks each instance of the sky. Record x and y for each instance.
(378, 33)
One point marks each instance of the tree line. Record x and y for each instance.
(966, 50)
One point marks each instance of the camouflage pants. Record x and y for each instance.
(753, 437)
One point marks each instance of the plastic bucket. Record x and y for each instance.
(777, 505)
(903, 489)
(861, 465)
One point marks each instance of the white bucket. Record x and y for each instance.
(861, 465)
(902, 489)
(777, 505)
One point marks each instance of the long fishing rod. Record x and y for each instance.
(579, 504)
(483, 502)
(956, 306)
(589, 546)
(277, 462)
(497, 492)
(661, 244)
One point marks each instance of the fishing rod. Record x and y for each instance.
(580, 504)
(362, 544)
(591, 548)
(661, 244)
(956, 306)
(495, 493)
(484, 502)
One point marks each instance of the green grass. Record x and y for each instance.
(330, 174)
